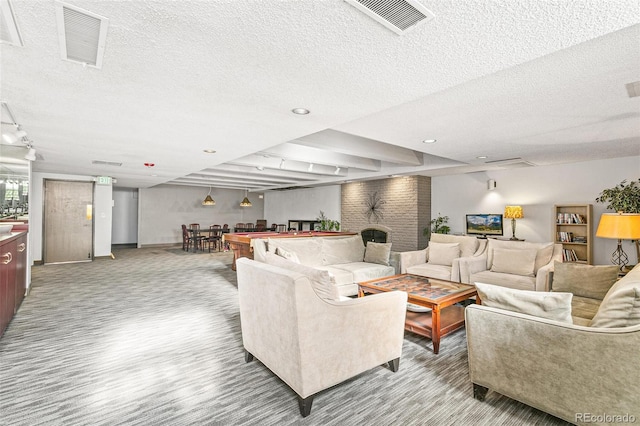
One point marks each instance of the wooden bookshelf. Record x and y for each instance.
(573, 228)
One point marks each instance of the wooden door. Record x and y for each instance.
(68, 221)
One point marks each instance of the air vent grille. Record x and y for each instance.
(399, 16)
(8, 26)
(106, 163)
(81, 34)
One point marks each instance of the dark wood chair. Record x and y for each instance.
(198, 239)
(188, 238)
(215, 237)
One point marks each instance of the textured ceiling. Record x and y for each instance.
(540, 82)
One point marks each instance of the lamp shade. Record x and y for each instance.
(513, 212)
(621, 226)
(245, 201)
(208, 201)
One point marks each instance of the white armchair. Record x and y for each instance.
(514, 264)
(441, 259)
(308, 340)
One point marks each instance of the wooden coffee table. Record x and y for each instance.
(439, 295)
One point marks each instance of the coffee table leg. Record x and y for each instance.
(435, 329)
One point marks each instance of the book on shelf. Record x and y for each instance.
(569, 255)
(565, 237)
(571, 218)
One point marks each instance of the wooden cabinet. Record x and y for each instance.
(13, 277)
(573, 229)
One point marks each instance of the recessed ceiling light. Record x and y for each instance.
(300, 111)
(429, 141)
(210, 151)
(481, 157)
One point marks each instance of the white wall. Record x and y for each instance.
(537, 189)
(302, 204)
(124, 229)
(164, 208)
(101, 208)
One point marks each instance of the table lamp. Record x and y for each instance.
(513, 213)
(620, 226)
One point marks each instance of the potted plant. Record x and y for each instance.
(623, 198)
(438, 226)
(327, 224)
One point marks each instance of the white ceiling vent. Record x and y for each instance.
(511, 162)
(82, 35)
(8, 26)
(400, 16)
(106, 163)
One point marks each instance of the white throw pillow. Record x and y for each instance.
(554, 306)
(514, 261)
(443, 253)
(377, 253)
(289, 255)
(322, 282)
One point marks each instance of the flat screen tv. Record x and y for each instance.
(484, 224)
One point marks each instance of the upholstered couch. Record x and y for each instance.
(441, 258)
(292, 323)
(566, 365)
(346, 258)
(514, 264)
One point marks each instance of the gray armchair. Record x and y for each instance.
(575, 372)
(310, 341)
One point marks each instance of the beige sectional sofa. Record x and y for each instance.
(582, 370)
(515, 264)
(345, 258)
(441, 259)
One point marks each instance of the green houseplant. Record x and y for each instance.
(327, 224)
(438, 226)
(623, 198)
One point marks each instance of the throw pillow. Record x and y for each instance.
(337, 250)
(621, 305)
(443, 253)
(289, 255)
(516, 261)
(584, 280)
(554, 306)
(377, 253)
(322, 282)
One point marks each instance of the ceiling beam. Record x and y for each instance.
(360, 147)
(308, 154)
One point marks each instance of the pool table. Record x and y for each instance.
(240, 242)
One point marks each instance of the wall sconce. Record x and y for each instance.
(491, 184)
(513, 213)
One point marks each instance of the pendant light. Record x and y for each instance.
(208, 201)
(245, 202)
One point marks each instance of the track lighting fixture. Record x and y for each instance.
(31, 154)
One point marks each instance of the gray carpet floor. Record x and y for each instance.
(152, 337)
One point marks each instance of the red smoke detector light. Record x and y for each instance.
(149, 164)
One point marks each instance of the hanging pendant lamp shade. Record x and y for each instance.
(245, 201)
(208, 201)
